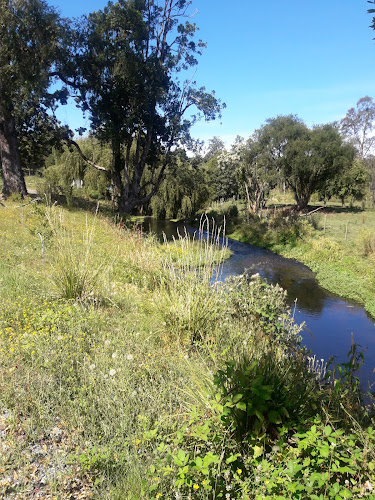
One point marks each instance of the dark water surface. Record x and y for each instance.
(330, 320)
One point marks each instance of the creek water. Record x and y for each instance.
(330, 321)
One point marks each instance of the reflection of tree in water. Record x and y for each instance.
(310, 297)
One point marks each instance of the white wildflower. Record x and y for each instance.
(112, 372)
(368, 486)
(129, 357)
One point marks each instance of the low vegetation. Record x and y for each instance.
(337, 243)
(128, 371)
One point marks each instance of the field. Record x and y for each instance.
(125, 373)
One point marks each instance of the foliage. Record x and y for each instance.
(358, 124)
(222, 170)
(307, 159)
(105, 394)
(183, 191)
(244, 444)
(65, 166)
(351, 182)
(30, 32)
(125, 66)
(258, 170)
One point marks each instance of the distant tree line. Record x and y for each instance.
(331, 160)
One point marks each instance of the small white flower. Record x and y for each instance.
(129, 357)
(92, 367)
(112, 372)
(107, 342)
(186, 356)
(114, 355)
(60, 337)
(368, 486)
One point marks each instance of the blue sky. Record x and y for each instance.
(263, 59)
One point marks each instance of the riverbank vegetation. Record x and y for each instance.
(128, 370)
(337, 243)
(127, 373)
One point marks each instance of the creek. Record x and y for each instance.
(330, 321)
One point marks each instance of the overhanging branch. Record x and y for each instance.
(84, 157)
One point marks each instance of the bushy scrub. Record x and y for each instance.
(326, 250)
(272, 229)
(366, 241)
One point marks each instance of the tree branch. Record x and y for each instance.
(84, 157)
(65, 80)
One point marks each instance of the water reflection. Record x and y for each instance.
(330, 320)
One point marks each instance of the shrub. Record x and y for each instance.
(366, 241)
(315, 220)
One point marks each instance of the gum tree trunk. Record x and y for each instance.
(13, 179)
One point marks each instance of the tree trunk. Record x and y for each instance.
(116, 180)
(302, 203)
(13, 179)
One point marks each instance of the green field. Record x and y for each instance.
(125, 374)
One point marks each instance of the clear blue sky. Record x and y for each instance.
(313, 59)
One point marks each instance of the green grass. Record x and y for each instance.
(335, 242)
(119, 361)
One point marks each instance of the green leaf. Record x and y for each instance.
(327, 430)
(274, 417)
(324, 451)
(232, 458)
(241, 406)
(237, 397)
(258, 451)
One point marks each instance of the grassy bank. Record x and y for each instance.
(337, 244)
(126, 374)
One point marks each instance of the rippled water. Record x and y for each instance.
(330, 320)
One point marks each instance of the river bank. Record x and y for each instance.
(338, 247)
(126, 375)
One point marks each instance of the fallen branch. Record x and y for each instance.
(316, 209)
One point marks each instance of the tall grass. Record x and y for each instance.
(77, 273)
(188, 303)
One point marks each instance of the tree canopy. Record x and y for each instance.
(129, 59)
(358, 125)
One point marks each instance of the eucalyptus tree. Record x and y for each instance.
(358, 126)
(258, 169)
(129, 57)
(29, 35)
